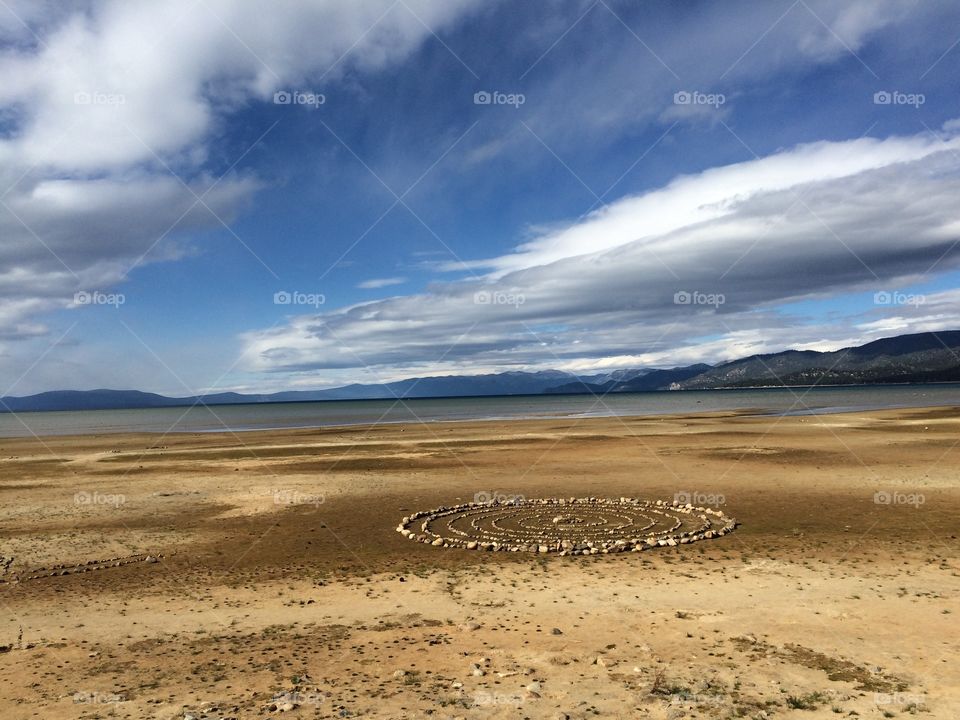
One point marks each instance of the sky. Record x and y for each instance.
(208, 195)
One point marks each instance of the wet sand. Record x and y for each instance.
(219, 575)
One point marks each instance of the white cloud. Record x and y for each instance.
(710, 196)
(376, 283)
(156, 74)
(807, 222)
(103, 101)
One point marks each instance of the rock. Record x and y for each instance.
(438, 542)
(477, 671)
(470, 626)
(556, 631)
(472, 545)
(534, 687)
(543, 549)
(400, 673)
(605, 662)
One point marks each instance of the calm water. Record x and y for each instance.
(353, 412)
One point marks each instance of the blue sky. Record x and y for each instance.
(653, 184)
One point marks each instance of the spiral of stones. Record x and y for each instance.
(566, 526)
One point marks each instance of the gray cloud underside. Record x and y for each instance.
(868, 230)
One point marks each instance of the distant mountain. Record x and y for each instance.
(109, 400)
(508, 383)
(924, 357)
(642, 382)
(85, 399)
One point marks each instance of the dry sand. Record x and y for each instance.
(279, 572)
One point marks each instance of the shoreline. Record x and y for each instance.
(511, 419)
(759, 412)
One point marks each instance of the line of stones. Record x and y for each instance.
(540, 536)
(716, 524)
(89, 566)
(538, 516)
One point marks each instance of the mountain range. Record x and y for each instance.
(917, 358)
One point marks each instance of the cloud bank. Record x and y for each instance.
(108, 111)
(706, 257)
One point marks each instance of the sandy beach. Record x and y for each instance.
(260, 574)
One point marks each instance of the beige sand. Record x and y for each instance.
(280, 572)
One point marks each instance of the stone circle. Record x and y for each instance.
(566, 526)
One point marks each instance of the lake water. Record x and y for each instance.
(264, 416)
